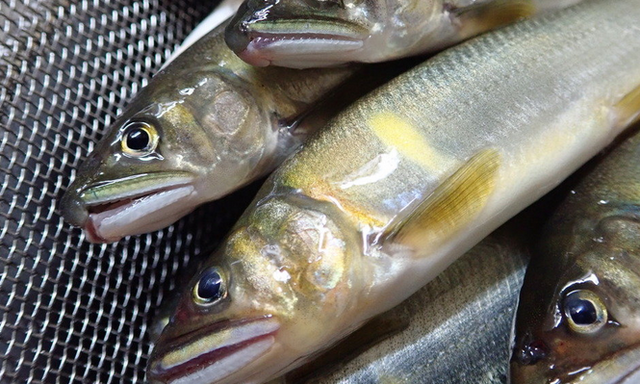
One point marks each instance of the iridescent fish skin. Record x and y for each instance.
(457, 326)
(318, 33)
(204, 126)
(399, 186)
(579, 314)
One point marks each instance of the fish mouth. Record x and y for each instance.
(295, 43)
(110, 210)
(214, 352)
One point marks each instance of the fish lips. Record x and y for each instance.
(261, 43)
(145, 203)
(213, 352)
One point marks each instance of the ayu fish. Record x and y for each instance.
(579, 314)
(472, 303)
(205, 125)
(320, 33)
(400, 185)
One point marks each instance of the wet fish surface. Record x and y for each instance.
(318, 33)
(400, 185)
(579, 315)
(204, 126)
(457, 325)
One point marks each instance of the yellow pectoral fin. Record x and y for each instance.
(455, 203)
(479, 18)
(628, 108)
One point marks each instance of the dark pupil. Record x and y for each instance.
(137, 139)
(582, 312)
(209, 286)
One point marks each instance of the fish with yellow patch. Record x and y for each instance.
(206, 125)
(337, 235)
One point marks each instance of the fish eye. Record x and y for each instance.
(584, 311)
(139, 139)
(210, 288)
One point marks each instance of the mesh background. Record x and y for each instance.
(72, 312)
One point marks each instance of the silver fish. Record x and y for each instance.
(319, 33)
(204, 126)
(457, 326)
(400, 185)
(579, 313)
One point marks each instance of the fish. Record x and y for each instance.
(398, 186)
(204, 126)
(578, 320)
(321, 33)
(472, 302)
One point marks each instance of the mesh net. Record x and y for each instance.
(72, 312)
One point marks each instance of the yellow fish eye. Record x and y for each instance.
(584, 311)
(210, 288)
(138, 139)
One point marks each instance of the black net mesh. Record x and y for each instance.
(72, 312)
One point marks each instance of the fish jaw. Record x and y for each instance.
(303, 50)
(226, 351)
(295, 43)
(110, 210)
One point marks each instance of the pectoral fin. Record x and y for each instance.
(628, 108)
(479, 18)
(454, 204)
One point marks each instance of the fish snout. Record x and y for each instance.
(221, 352)
(73, 209)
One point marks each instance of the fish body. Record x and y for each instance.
(205, 125)
(317, 33)
(579, 314)
(400, 185)
(471, 303)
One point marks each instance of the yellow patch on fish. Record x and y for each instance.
(196, 348)
(397, 133)
(313, 182)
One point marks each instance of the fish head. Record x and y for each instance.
(276, 293)
(185, 139)
(306, 33)
(585, 327)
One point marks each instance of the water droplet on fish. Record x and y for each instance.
(603, 202)
(186, 91)
(598, 239)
